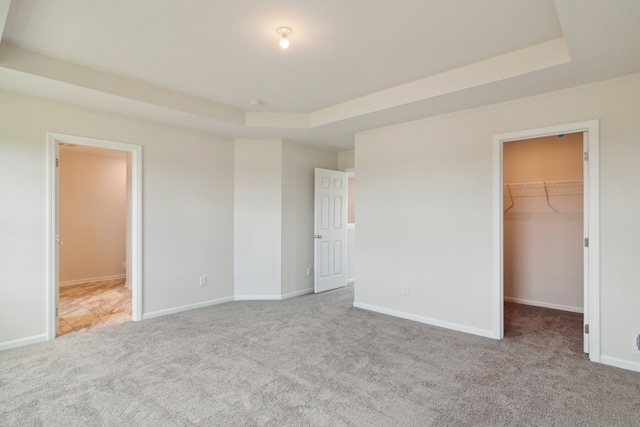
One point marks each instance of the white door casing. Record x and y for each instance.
(55, 247)
(591, 227)
(330, 235)
(585, 233)
(134, 213)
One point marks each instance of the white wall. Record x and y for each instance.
(425, 210)
(274, 208)
(93, 215)
(258, 204)
(187, 210)
(299, 163)
(543, 246)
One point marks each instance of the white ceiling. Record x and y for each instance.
(352, 65)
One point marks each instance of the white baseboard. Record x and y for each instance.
(429, 321)
(619, 363)
(273, 297)
(545, 305)
(352, 280)
(92, 279)
(187, 307)
(23, 341)
(257, 297)
(297, 293)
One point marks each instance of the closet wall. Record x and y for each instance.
(93, 214)
(543, 222)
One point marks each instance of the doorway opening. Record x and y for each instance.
(543, 207)
(103, 249)
(93, 290)
(543, 238)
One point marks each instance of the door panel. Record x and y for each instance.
(330, 230)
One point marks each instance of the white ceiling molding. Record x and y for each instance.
(168, 64)
(39, 65)
(513, 64)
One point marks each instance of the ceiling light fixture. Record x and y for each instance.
(284, 32)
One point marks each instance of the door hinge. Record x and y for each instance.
(57, 312)
(586, 156)
(57, 162)
(586, 329)
(586, 242)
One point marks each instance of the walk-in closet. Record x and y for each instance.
(543, 222)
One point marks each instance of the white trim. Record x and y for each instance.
(592, 281)
(619, 363)
(187, 307)
(23, 341)
(297, 293)
(351, 280)
(92, 279)
(257, 297)
(273, 297)
(545, 305)
(136, 220)
(429, 321)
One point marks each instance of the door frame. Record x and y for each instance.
(134, 215)
(591, 216)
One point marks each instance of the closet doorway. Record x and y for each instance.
(543, 236)
(546, 235)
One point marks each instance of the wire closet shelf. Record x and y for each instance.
(544, 189)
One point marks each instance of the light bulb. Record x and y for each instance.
(284, 32)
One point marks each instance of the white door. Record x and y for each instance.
(585, 192)
(330, 235)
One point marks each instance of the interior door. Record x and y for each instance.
(585, 262)
(330, 235)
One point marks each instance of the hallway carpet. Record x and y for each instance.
(315, 361)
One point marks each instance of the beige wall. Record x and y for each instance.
(187, 210)
(346, 160)
(298, 189)
(543, 246)
(425, 210)
(257, 212)
(93, 215)
(274, 214)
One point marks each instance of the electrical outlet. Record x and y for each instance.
(405, 290)
(203, 280)
(636, 340)
(309, 271)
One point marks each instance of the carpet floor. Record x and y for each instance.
(315, 361)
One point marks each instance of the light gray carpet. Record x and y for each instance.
(314, 360)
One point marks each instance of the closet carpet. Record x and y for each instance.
(315, 360)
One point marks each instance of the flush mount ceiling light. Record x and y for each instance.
(284, 32)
